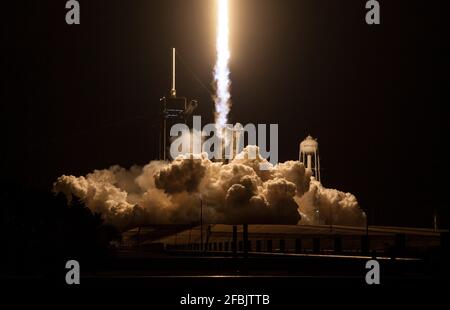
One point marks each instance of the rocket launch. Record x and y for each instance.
(221, 69)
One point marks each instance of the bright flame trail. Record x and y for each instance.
(221, 69)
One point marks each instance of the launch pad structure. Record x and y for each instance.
(173, 110)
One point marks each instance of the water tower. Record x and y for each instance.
(309, 156)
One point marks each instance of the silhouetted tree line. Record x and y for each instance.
(41, 231)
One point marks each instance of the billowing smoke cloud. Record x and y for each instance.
(237, 192)
(322, 205)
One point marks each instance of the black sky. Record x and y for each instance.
(84, 97)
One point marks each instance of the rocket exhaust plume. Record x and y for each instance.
(221, 69)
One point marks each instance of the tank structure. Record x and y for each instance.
(309, 156)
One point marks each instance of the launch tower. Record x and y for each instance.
(173, 110)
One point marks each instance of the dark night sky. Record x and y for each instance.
(78, 98)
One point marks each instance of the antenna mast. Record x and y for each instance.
(173, 92)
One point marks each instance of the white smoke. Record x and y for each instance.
(322, 205)
(237, 192)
